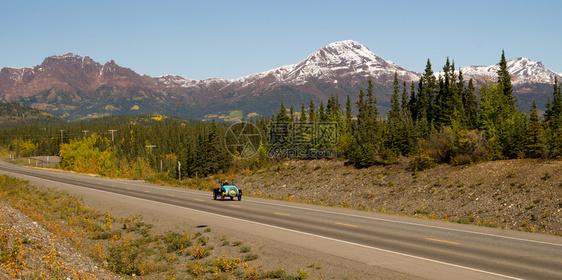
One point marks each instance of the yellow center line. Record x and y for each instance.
(347, 225)
(282, 214)
(443, 241)
(147, 191)
(198, 199)
(234, 206)
(129, 188)
(170, 194)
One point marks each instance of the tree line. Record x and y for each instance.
(129, 146)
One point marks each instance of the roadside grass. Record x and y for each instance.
(4, 152)
(126, 247)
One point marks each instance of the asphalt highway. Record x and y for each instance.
(424, 248)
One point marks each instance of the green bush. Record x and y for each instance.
(422, 162)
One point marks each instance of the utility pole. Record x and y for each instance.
(85, 131)
(150, 146)
(112, 139)
(61, 137)
(17, 149)
(179, 169)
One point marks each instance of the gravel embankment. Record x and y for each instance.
(512, 194)
(41, 254)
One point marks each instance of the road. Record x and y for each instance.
(422, 248)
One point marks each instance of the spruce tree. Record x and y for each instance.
(413, 102)
(504, 80)
(348, 113)
(556, 101)
(394, 113)
(427, 92)
(404, 100)
(367, 135)
(373, 111)
(535, 142)
(458, 89)
(282, 116)
(292, 114)
(311, 112)
(337, 107)
(444, 101)
(470, 106)
(322, 112)
(302, 118)
(393, 127)
(553, 121)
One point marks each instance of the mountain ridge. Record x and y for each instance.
(77, 87)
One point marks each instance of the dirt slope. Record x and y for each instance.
(512, 194)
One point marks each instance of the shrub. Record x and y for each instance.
(226, 264)
(198, 252)
(422, 162)
(176, 242)
(245, 249)
(251, 257)
(276, 274)
(197, 268)
(302, 274)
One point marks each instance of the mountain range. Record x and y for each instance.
(75, 87)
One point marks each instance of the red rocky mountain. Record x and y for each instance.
(68, 73)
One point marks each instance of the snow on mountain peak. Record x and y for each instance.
(346, 58)
(338, 59)
(522, 70)
(67, 55)
(349, 53)
(356, 62)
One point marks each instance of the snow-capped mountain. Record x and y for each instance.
(345, 59)
(522, 70)
(341, 59)
(76, 87)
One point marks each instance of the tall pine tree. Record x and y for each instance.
(470, 104)
(504, 81)
(535, 143)
(367, 137)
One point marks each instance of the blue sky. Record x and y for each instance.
(231, 39)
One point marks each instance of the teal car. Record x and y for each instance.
(227, 191)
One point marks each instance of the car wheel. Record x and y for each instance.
(222, 197)
(239, 197)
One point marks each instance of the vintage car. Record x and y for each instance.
(227, 190)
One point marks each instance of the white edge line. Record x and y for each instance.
(409, 223)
